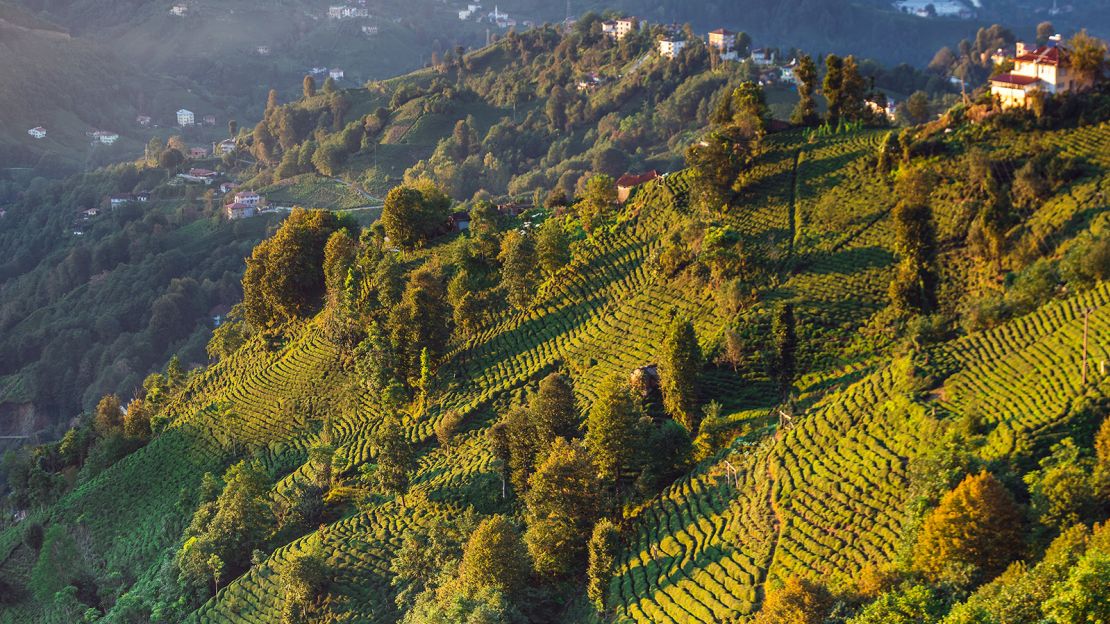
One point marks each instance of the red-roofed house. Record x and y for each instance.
(723, 40)
(1046, 69)
(239, 211)
(627, 182)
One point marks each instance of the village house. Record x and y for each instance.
(1044, 70)
(370, 31)
(203, 176)
(107, 138)
(248, 198)
(90, 213)
(237, 211)
(628, 182)
(227, 187)
(336, 74)
(671, 47)
(762, 57)
(115, 201)
(262, 50)
(722, 40)
(460, 221)
(619, 29)
(209, 120)
(198, 152)
(590, 82)
(38, 132)
(144, 120)
(227, 146)
(185, 118)
(347, 12)
(179, 10)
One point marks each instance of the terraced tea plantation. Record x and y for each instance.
(821, 495)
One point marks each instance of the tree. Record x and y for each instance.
(500, 446)
(853, 92)
(597, 202)
(798, 601)
(232, 128)
(805, 112)
(971, 535)
(554, 408)
(1063, 491)
(611, 430)
(421, 320)
(679, 363)
(786, 343)
(136, 421)
(1045, 30)
(603, 549)
(216, 566)
(610, 161)
(285, 276)
(832, 87)
(271, 100)
(394, 458)
(414, 213)
(329, 85)
(519, 269)
(914, 287)
(109, 416)
(1088, 56)
(1085, 595)
(890, 153)
(495, 558)
(301, 578)
(309, 86)
(171, 159)
(562, 504)
(552, 246)
(914, 604)
(916, 108)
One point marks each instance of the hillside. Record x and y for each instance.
(835, 489)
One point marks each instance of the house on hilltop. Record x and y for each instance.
(37, 132)
(629, 181)
(619, 29)
(671, 47)
(1044, 70)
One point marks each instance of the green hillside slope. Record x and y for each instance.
(831, 492)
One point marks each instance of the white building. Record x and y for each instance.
(185, 118)
(180, 10)
(336, 74)
(38, 132)
(248, 198)
(671, 47)
(369, 31)
(762, 57)
(226, 146)
(107, 138)
(1046, 70)
(347, 12)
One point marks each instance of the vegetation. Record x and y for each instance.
(709, 406)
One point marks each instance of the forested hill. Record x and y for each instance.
(832, 373)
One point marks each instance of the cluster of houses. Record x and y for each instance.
(335, 73)
(102, 136)
(185, 118)
(496, 17)
(935, 8)
(1037, 71)
(38, 132)
(346, 11)
(245, 205)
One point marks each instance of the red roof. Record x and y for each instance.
(202, 173)
(1014, 79)
(629, 180)
(1044, 55)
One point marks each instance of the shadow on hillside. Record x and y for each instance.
(849, 261)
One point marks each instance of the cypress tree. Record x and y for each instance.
(678, 373)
